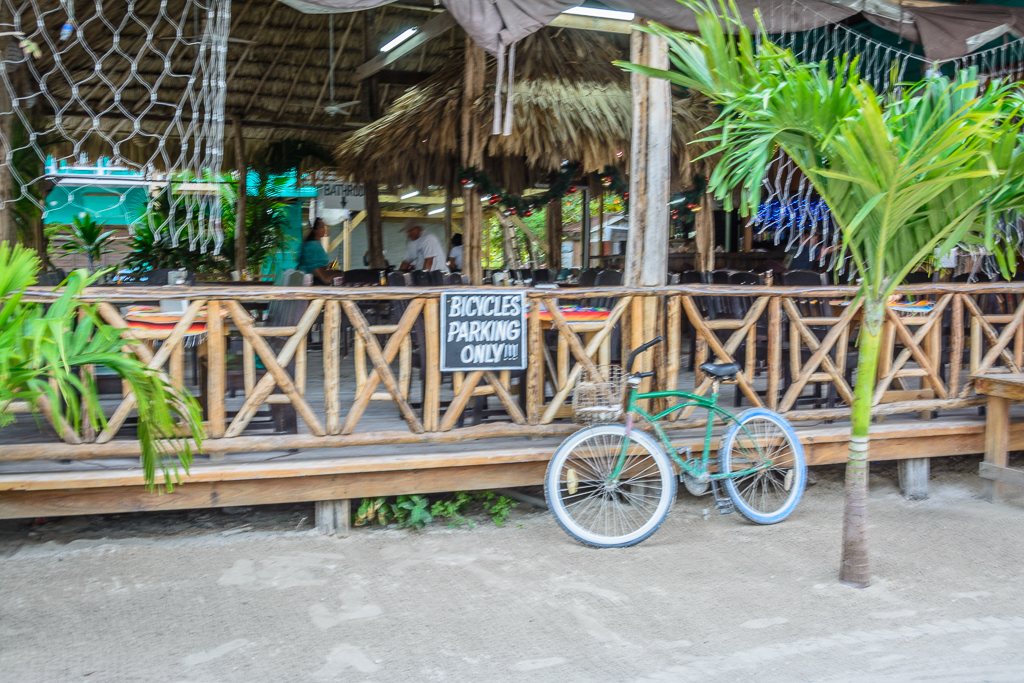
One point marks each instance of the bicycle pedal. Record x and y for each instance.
(725, 506)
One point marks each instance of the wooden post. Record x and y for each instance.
(553, 223)
(748, 236)
(997, 443)
(332, 365)
(774, 351)
(241, 256)
(449, 194)
(913, 478)
(332, 517)
(472, 156)
(600, 226)
(432, 385)
(650, 166)
(586, 246)
(216, 372)
(704, 224)
(374, 226)
(534, 365)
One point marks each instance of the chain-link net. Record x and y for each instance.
(131, 89)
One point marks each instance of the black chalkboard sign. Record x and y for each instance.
(483, 330)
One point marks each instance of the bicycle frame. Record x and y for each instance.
(710, 404)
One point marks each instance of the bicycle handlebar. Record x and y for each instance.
(640, 349)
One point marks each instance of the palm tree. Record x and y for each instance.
(87, 237)
(43, 347)
(924, 168)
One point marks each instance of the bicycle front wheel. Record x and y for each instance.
(598, 509)
(762, 444)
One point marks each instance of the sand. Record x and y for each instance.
(210, 596)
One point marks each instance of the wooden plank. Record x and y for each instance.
(1010, 386)
(1005, 475)
(436, 26)
(105, 491)
(997, 443)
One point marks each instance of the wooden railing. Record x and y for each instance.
(787, 340)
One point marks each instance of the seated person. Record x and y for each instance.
(313, 259)
(455, 255)
(424, 252)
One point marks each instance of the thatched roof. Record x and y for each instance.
(571, 103)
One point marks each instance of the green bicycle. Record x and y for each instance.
(612, 485)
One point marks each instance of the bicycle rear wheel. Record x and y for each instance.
(597, 510)
(762, 441)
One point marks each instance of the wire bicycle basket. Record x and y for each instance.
(597, 397)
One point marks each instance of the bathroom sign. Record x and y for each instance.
(483, 331)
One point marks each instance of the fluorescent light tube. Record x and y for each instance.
(410, 194)
(600, 13)
(435, 211)
(406, 35)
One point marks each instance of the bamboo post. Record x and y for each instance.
(650, 165)
(332, 365)
(553, 223)
(216, 371)
(534, 365)
(432, 383)
(241, 256)
(956, 344)
(774, 351)
(472, 157)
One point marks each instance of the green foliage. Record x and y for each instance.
(498, 507)
(452, 510)
(266, 221)
(43, 347)
(415, 511)
(87, 237)
(929, 166)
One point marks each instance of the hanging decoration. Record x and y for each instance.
(514, 204)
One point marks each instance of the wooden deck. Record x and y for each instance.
(351, 444)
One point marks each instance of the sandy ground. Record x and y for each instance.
(213, 596)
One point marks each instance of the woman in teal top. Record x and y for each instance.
(312, 257)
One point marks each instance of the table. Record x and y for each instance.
(1002, 390)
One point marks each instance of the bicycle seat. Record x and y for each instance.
(720, 370)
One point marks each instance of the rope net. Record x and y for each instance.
(134, 87)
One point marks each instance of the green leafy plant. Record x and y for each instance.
(43, 348)
(88, 237)
(266, 221)
(922, 169)
(370, 511)
(412, 511)
(498, 507)
(452, 510)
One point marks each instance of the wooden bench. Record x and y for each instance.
(1002, 390)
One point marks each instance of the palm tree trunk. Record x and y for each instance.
(855, 568)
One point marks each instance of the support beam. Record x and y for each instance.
(553, 223)
(650, 166)
(241, 222)
(374, 227)
(372, 109)
(704, 224)
(472, 155)
(913, 477)
(333, 516)
(434, 27)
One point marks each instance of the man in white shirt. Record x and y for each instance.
(424, 252)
